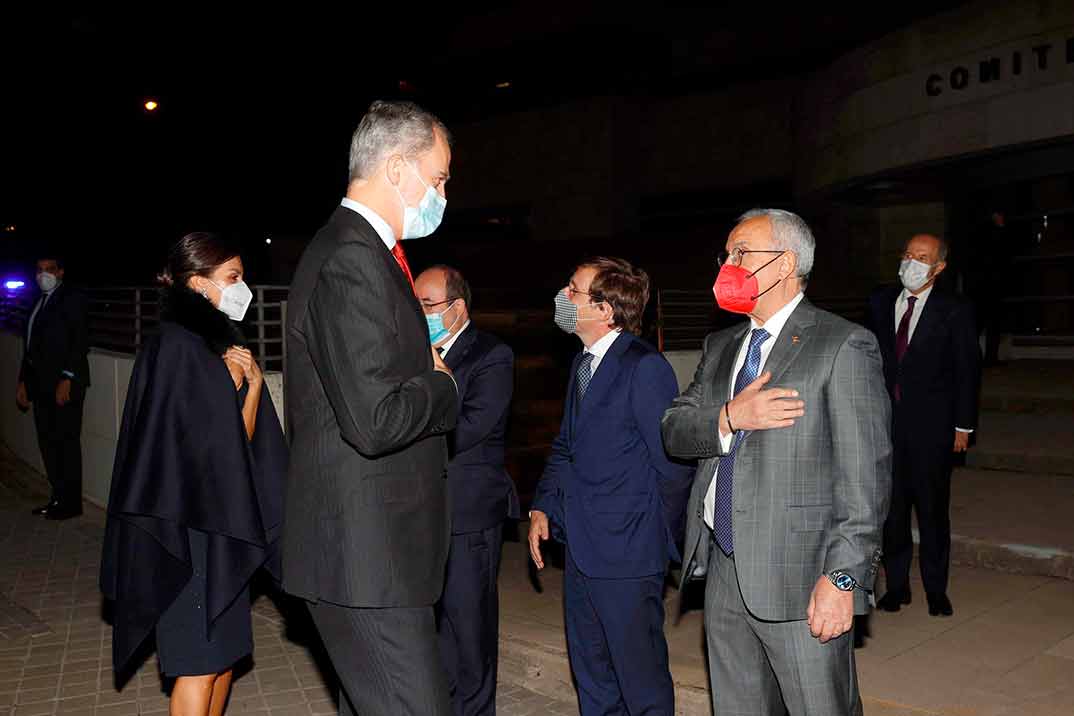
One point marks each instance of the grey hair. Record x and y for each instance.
(392, 126)
(789, 233)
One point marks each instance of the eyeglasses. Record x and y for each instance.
(572, 292)
(734, 258)
(430, 304)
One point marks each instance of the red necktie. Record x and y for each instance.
(400, 258)
(902, 336)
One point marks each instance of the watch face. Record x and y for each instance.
(844, 582)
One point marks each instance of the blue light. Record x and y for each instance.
(14, 285)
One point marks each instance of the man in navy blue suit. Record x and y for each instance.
(480, 490)
(612, 496)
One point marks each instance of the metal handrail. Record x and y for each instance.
(122, 318)
(685, 316)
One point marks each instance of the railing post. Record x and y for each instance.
(283, 336)
(261, 326)
(137, 319)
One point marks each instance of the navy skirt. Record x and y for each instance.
(184, 646)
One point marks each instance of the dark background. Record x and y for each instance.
(257, 107)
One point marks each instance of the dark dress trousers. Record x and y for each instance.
(938, 380)
(57, 347)
(367, 523)
(482, 497)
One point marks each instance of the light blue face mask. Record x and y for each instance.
(420, 221)
(437, 331)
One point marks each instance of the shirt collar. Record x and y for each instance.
(383, 229)
(601, 347)
(775, 323)
(451, 341)
(921, 297)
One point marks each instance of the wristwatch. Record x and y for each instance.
(842, 581)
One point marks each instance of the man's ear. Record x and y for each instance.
(393, 169)
(608, 313)
(789, 264)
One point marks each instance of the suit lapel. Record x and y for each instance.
(721, 389)
(462, 347)
(371, 237)
(570, 405)
(790, 341)
(926, 323)
(603, 379)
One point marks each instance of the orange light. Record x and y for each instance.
(151, 105)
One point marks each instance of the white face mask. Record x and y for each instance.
(913, 273)
(234, 299)
(47, 282)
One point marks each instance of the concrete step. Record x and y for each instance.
(1024, 442)
(1029, 386)
(1013, 522)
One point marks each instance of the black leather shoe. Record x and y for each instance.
(62, 513)
(939, 605)
(44, 508)
(893, 601)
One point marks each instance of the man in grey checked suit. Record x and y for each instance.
(793, 480)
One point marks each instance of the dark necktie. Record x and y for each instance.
(725, 470)
(583, 375)
(400, 258)
(902, 337)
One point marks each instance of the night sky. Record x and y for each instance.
(256, 109)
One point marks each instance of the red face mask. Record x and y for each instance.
(737, 290)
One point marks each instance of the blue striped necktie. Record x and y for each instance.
(725, 470)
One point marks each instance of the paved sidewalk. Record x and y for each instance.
(55, 645)
(1008, 651)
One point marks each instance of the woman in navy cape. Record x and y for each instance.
(197, 487)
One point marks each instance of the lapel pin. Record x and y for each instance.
(794, 339)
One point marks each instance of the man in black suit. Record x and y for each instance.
(53, 376)
(928, 340)
(366, 523)
(482, 494)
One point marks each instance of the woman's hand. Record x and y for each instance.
(235, 370)
(244, 359)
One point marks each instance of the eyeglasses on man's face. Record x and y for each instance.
(734, 257)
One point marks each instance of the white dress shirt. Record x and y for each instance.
(901, 305)
(919, 307)
(383, 229)
(37, 309)
(601, 347)
(451, 341)
(774, 326)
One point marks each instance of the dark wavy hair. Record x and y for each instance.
(623, 286)
(196, 254)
